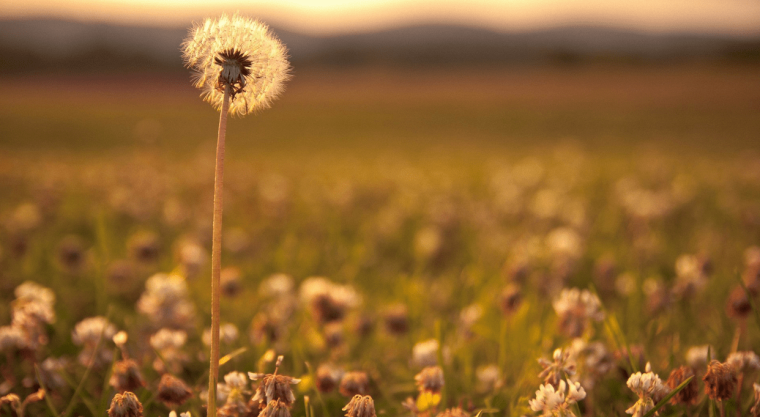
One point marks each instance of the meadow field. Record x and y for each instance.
(421, 236)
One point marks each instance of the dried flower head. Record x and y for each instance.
(720, 381)
(360, 406)
(425, 353)
(233, 391)
(274, 387)
(430, 379)
(689, 393)
(238, 52)
(453, 412)
(354, 383)
(561, 366)
(557, 403)
(173, 391)
(755, 410)
(125, 405)
(510, 299)
(327, 378)
(738, 304)
(275, 409)
(126, 376)
(396, 319)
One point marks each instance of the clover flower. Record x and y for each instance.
(650, 389)
(238, 52)
(575, 309)
(720, 381)
(430, 379)
(560, 366)
(557, 403)
(173, 391)
(742, 362)
(166, 301)
(689, 393)
(354, 383)
(425, 353)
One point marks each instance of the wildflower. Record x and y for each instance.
(333, 334)
(143, 247)
(691, 276)
(233, 389)
(230, 281)
(241, 54)
(328, 301)
(228, 333)
(174, 414)
(425, 353)
(192, 256)
(689, 393)
(354, 383)
(264, 329)
(430, 379)
(11, 339)
(738, 304)
(489, 378)
(125, 405)
(575, 309)
(360, 406)
(743, 362)
(88, 332)
(166, 301)
(561, 366)
(168, 343)
(173, 391)
(557, 403)
(327, 378)
(510, 299)
(275, 408)
(276, 285)
(696, 356)
(720, 381)
(396, 319)
(274, 387)
(50, 373)
(126, 376)
(650, 389)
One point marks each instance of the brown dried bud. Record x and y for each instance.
(354, 383)
(430, 379)
(229, 281)
(689, 393)
(397, 320)
(738, 305)
(274, 388)
(275, 409)
(360, 406)
(327, 378)
(125, 405)
(126, 376)
(172, 391)
(510, 299)
(143, 247)
(720, 381)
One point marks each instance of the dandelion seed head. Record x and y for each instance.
(239, 52)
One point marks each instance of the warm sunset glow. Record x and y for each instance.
(335, 16)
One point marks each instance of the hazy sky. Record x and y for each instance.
(336, 16)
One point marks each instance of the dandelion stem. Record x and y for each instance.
(216, 253)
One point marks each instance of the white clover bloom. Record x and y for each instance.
(88, 331)
(696, 356)
(240, 53)
(650, 389)
(744, 361)
(425, 353)
(575, 309)
(561, 365)
(557, 403)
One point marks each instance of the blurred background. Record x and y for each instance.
(399, 75)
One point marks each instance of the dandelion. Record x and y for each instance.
(557, 403)
(360, 406)
(650, 389)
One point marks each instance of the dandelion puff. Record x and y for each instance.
(241, 52)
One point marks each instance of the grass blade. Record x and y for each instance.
(667, 398)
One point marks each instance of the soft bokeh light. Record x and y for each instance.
(337, 16)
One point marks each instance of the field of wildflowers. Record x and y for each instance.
(523, 264)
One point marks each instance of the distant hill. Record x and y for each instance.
(52, 44)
